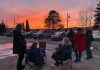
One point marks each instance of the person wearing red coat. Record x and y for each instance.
(80, 44)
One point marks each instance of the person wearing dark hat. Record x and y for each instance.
(19, 45)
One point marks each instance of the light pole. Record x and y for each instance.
(68, 16)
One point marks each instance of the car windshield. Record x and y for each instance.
(58, 33)
(39, 32)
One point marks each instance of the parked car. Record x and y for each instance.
(43, 34)
(27, 34)
(9, 34)
(58, 36)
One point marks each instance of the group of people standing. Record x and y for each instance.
(76, 42)
(80, 41)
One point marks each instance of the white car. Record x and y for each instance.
(43, 34)
(27, 34)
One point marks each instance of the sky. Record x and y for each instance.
(37, 10)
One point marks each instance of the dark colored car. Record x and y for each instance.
(58, 36)
(43, 34)
(9, 34)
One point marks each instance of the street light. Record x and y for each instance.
(68, 16)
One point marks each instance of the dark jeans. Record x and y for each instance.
(88, 52)
(78, 55)
(19, 63)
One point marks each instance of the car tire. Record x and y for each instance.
(41, 37)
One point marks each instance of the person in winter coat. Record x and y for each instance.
(80, 44)
(19, 45)
(71, 35)
(89, 39)
(32, 54)
(35, 54)
(63, 52)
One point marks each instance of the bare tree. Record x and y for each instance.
(90, 15)
(86, 16)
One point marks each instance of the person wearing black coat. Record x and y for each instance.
(89, 39)
(63, 52)
(71, 35)
(19, 45)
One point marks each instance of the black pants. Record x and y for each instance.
(19, 63)
(78, 55)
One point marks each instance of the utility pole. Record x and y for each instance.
(68, 16)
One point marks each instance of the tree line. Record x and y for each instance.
(3, 27)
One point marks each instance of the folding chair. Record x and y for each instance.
(68, 63)
(42, 46)
(32, 58)
(66, 59)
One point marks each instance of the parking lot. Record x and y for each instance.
(9, 63)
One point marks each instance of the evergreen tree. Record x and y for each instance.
(53, 20)
(27, 26)
(97, 16)
(23, 26)
(2, 27)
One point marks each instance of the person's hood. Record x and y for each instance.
(66, 41)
